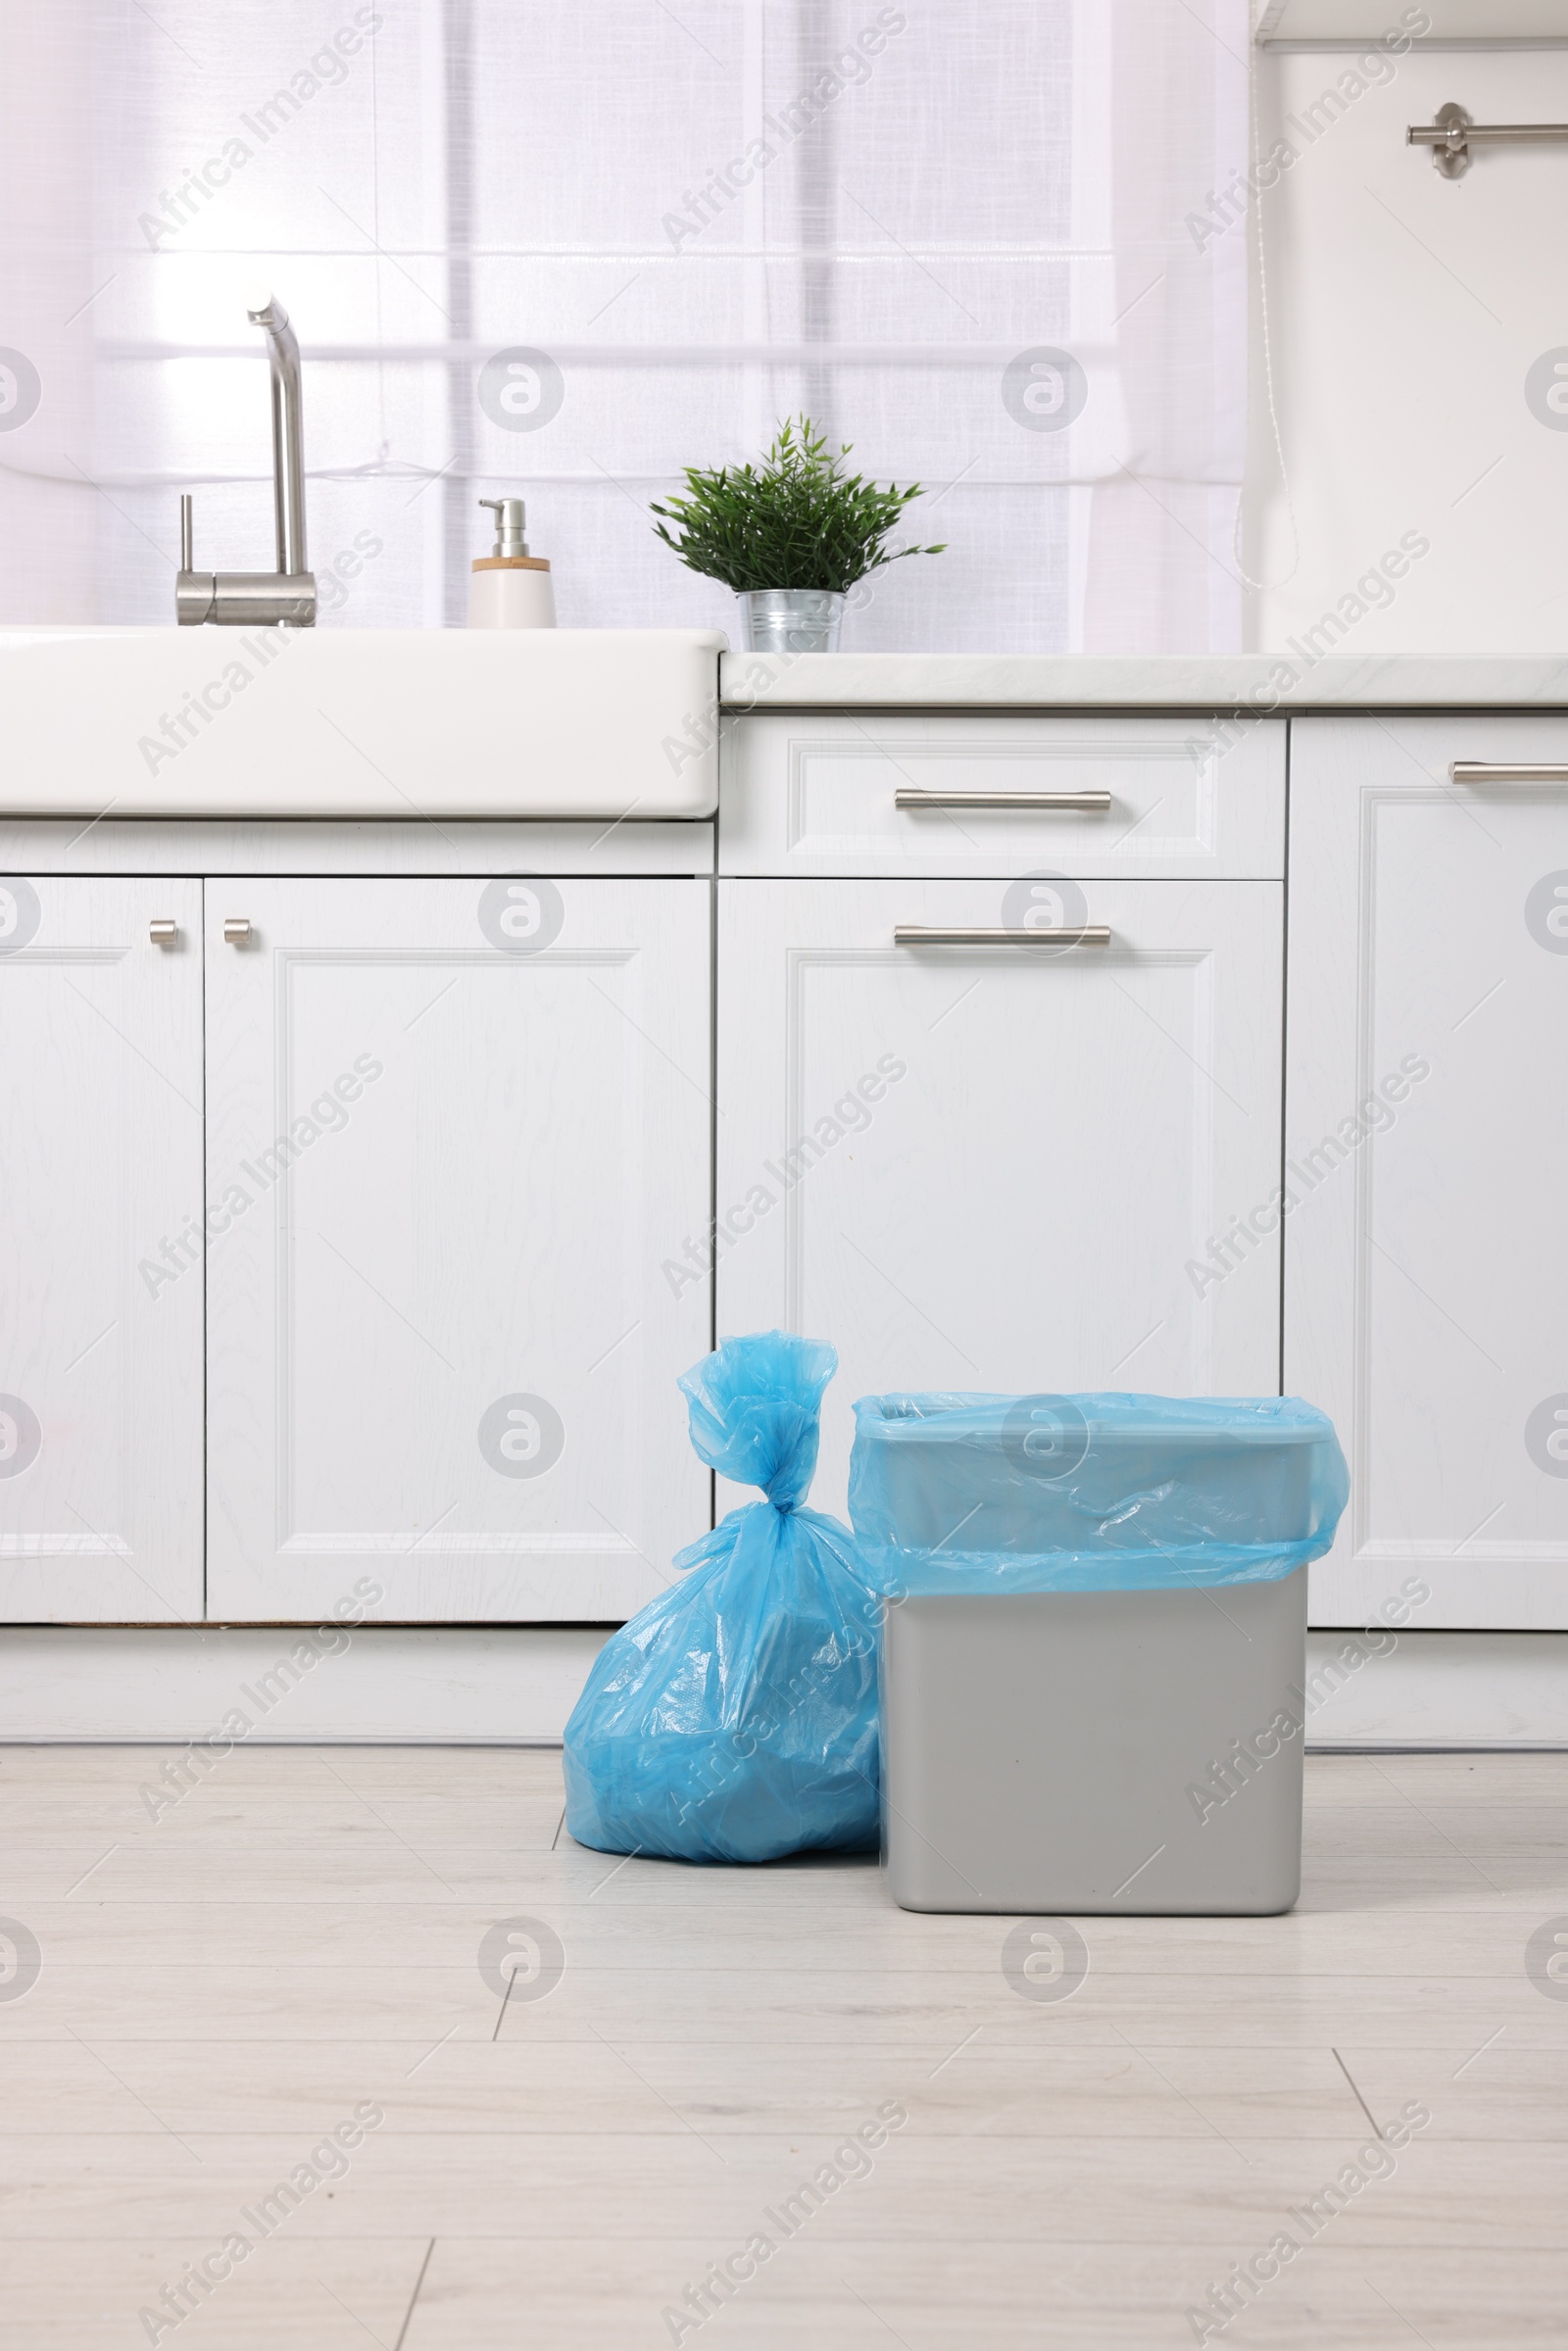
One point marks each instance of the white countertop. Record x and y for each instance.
(1267, 682)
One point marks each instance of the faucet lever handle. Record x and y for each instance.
(186, 534)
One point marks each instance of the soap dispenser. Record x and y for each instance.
(510, 588)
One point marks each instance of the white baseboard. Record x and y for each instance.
(1438, 1690)
(387, 1685)
(515, 1686)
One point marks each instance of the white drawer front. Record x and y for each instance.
(1184, 799)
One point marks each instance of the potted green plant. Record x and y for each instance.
(790, 536)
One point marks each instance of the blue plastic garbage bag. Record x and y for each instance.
(735, 1716)
(1109, 1493)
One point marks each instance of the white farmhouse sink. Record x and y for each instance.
(358, 722)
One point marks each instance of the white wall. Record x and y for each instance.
(1406, 312)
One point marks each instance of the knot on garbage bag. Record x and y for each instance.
(755, 1410)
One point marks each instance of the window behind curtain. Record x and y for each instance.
(955, 233)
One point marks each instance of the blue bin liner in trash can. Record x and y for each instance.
(735, 1716)
(953, 1494)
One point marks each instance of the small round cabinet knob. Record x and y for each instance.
(164, 932)
(237, 930)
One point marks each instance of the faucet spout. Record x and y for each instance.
(288, 431)
(284, 598)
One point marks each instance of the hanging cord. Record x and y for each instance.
(1268, 354)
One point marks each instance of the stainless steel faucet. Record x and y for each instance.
(285, 597)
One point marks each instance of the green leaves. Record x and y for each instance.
(797, 520)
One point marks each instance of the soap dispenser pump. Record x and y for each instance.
(510, 588)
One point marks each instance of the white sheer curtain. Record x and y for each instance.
(566, 251)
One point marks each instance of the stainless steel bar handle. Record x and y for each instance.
(236, 930)
(1092, 804)
(162, 932)
(1453, 135)
(1086, 934)
(1444, 134)
(1508, 771)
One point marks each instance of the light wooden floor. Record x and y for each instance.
(301, 1937)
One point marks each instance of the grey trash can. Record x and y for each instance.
(1094, 1645)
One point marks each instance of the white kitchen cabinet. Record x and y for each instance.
(1000, 1168)
(869, 792)
(453, 1128)
(1426, 1135)
(100, 1250)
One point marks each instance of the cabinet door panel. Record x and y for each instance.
(100, 1252)
(997, 1167)
(1427, 1127)
(459, 1132)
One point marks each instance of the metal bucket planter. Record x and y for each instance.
(792, 619)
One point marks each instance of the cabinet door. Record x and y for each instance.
(1427, 1129)
(100, 1252)
(455, 1127)
(995, 1166)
